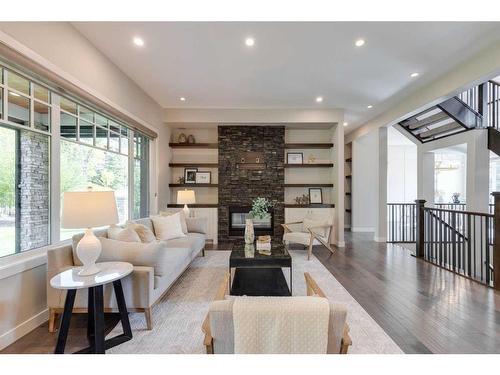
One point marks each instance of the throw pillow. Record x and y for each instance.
(123, 234)
(145, 234)
(197, 224)
(168, 227)
(183, 219)
(308, 223)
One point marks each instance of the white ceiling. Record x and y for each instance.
(290, 64)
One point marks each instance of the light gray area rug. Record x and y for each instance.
(178, 316)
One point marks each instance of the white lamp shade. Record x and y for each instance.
(87, 209)
(186, 197)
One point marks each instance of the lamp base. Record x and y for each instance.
(186, 210)
(88, 251)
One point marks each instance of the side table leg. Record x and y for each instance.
(99, 319)
(65, 320)
(122, 308)
(90, 318)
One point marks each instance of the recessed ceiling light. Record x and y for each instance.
(182, 99)
(250, 41)
(369, 106)
(138, 41)
(359, 42)
(319, 99)
(413, 75)
(346, 123)
(14, 94)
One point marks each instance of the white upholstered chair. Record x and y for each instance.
(218, 325)
(308, 232)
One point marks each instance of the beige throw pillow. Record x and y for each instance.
(168, 227)
(123, 234)
(145, 234)
(183, 219)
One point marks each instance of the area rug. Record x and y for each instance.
(178, 316)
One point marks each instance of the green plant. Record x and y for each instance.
(260, 207)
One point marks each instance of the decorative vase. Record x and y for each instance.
(249, 232)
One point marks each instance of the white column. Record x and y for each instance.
(425, 175)
(381, 187)
(338, 183)
(478, 172)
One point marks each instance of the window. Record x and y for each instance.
(141, 177)
(95, 150)
(83, 166)
(24, 190)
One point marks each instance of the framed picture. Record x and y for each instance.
(294, 158)
(315, 196)
(203, 177)
(190, 175)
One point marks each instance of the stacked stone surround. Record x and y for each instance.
(237, 186)
(34, 179)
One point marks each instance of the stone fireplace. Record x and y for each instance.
(240, 180)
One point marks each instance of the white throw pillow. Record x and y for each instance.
(145, 234)
(183, 219)
(123, 234)
(168, 227)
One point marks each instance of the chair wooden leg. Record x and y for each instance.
(52, 320)
(147, 314)
(310, 249)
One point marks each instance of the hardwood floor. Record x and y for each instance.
(423, 308)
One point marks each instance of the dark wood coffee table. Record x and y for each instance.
(257, 274)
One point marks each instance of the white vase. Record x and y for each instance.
(249, 233)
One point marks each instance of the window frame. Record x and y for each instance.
(55, 137)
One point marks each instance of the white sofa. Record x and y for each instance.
(153, 273)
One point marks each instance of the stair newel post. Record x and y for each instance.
(420, 204)
(496, 241)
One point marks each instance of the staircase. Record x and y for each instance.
(476, 108)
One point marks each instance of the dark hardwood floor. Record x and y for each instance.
(423, 308)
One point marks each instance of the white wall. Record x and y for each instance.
(23, 276)
(364, 176)
(402, 174)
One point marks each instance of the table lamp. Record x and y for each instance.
(87, 209)
(186, 197)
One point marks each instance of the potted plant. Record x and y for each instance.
(260, 210)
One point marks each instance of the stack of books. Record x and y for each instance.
(263, 243)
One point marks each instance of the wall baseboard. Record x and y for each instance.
(22, 329)
(379, 239)
(362, 229)
(340, 244)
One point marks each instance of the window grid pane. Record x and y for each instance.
(18, 83)
(19, 109)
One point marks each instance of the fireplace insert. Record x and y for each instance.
(238, 216)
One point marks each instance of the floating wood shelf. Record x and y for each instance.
(194, 145)
(349, 176)
(323, 205)
(323, 165)
(347, 193)
(347, 210)
(196, 205)
(193, 185)
(309, 185)
(348, 160)
(194, 165)
(308, 145)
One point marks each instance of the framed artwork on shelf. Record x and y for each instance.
(203, 177)
(294, 158)
(315, 196)
(190, 175)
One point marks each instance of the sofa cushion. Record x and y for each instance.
(123, 234)
(194, 242)
(157, 254)
(197, 224)
(145, 233)
(168, 227)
